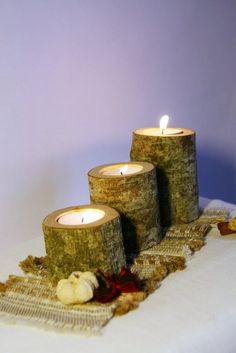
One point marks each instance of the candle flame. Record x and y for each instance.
(124, 169)
(164, 122)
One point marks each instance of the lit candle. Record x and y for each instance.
(81, 217)
(121, 169)
(130, 188)
(84, 238)
(163, 130)
(173, 152)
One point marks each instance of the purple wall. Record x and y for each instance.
(76, 77)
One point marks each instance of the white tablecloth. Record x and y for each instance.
(193, 310)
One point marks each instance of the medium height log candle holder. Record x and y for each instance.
(84, 238)
(130, 188)
(173, 152)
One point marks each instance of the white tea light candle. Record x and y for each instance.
(121, 169)
(163, 130)
(81, 217)
(155, 131)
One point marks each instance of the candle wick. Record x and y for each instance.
(121, 173)
(162, 131)
(82, 219)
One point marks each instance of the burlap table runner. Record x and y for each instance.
(32, 298)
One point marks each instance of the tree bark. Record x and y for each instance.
(175, 159)
(88, 247)
(135, 198)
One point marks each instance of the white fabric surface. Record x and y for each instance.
(193, 311)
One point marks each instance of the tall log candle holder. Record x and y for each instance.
(84, 238)
(173, 152)
(130, 188)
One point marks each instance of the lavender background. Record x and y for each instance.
(76, 77)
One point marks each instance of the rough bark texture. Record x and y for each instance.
(83, 249)
(135, 198)
(175, 159)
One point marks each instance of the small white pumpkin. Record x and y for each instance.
(78, 288)
(84, 290)
(75, 276)
(65, 291)
(86, 275)
(91, 277)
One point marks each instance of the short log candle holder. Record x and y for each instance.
(84, 238)
(173, 152)
(130, 188)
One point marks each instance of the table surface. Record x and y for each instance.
(193, 310)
